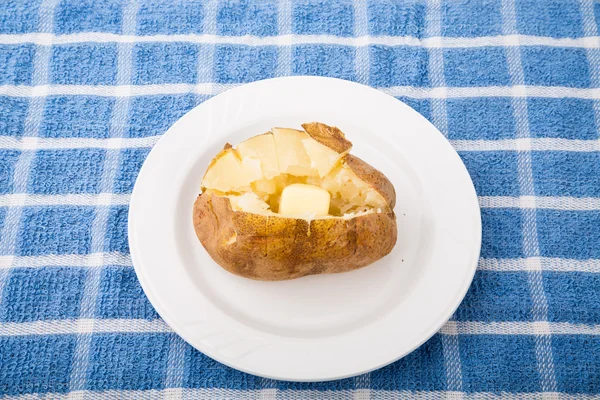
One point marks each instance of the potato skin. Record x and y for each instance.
(273, 248)
(329, 136)
(372, 177)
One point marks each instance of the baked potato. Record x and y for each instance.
(290, 203)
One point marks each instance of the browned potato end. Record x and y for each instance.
(330, 136)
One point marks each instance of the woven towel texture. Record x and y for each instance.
(88, 86)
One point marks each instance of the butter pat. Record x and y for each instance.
(299, 198)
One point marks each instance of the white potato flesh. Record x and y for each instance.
(248, 202)
(322, 158)
(228, 173)
(289, 173)
(291, 154)
(261, 148)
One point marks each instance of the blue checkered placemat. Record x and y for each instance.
(88, 86)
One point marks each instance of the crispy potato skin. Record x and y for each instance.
(372, 177)
(273, 248)
(329, 136)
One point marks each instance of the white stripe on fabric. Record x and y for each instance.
(540, 202)
(119, 259)
(546, 263)
(454, 328)
(288, 39)
(590, 28)
(515, 90)
(536, 144)
(101, 199)
(268, 394)
(213, 89)
(83, 326)
(206, 88)
(76, 143)
(452, 362)
(291, 394)
(543, 345)
(362, 60)
(31, 129)
(66, 260)
(206, 52)
(436, 68)
(87, 310)
(433, 19)
(451, 328)
(362, 384)
(175, 365)
(284, 30)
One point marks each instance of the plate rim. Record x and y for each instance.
(166, 315)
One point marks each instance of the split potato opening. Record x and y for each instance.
(290, 173)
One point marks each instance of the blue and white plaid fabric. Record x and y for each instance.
(88, 86)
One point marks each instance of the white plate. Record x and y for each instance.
(319, 327)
